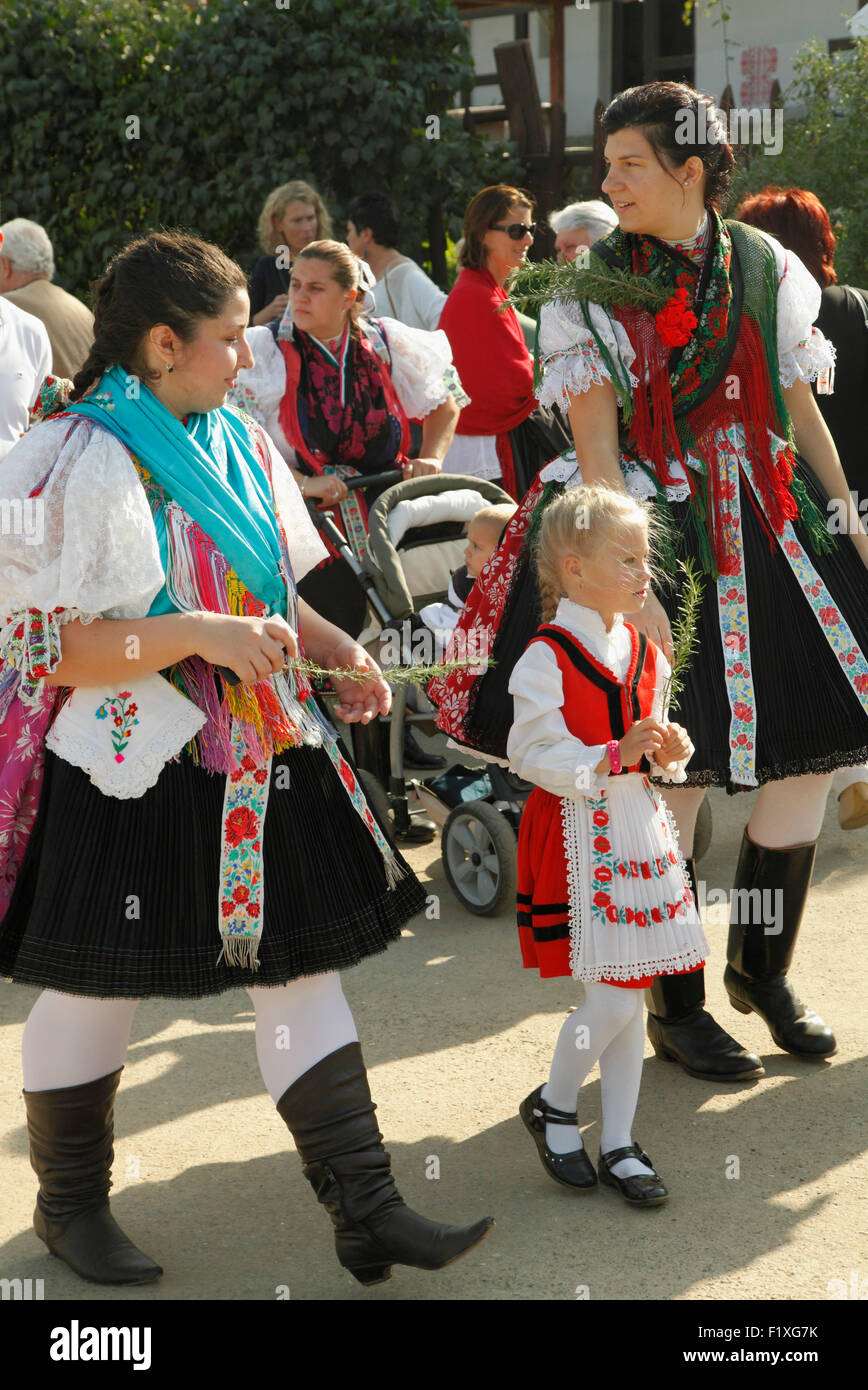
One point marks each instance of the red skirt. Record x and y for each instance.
(543, 900)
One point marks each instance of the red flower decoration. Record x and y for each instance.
(656, 914)
(124, 694)
(252, 909)
(601, 899)
(829, 616)
(676, 321)
(861, 684)
(641, 919)
(628, 914)
(603, 875)
(241, 824)
(742, 711)
(602, 844)
(241, 894)
(227, 907)
(261, 775)
(600, 818)
(612, 913)
(247, 763)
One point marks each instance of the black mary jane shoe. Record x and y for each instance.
(574, 1169)
(644, 1190)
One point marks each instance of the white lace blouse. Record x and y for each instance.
(420, 365)
(540, 747)
(88, 543)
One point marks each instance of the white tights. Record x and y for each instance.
(606, 1028)
(69, 1040)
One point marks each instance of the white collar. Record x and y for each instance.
(585, 620)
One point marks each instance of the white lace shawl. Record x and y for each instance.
(419, 367)
(572, 362)
(88, 543)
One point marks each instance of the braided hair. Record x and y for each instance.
(167, 277)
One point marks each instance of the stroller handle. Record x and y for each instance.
(392, 475)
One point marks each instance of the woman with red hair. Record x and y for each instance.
(801, 224)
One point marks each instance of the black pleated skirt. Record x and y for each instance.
(808, 717)
(121, 898)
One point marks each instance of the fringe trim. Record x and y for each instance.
(241, 951)
(394, 872)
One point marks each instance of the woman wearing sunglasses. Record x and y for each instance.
(502, 434)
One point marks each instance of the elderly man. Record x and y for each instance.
(25, 362)
(26, 268)
(581, 224)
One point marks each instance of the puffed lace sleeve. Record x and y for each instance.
(571, 359)
(306, 549)
(803, 352)
(260, 388)
(540, 747)
(81, 543)
(421, 368)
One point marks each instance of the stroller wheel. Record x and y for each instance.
(478, 850)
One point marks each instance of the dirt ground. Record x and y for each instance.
(455, 1035)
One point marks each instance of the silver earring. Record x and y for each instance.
(169, 367)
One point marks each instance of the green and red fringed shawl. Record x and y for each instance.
(705, 339)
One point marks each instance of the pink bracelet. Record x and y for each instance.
(614, 751)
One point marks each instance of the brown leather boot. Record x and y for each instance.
(71, 1135)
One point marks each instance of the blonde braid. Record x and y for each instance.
(550, 597)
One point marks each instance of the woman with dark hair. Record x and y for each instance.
(801, 224)
(685, 374)
(163, 761)
(403, 290)
(502, 434)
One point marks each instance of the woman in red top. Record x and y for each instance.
(503, 434)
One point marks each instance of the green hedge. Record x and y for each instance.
(231, 100)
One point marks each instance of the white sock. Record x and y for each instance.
(584, 1036)
(69, 1040)
(297, 1025)
(620, 1079)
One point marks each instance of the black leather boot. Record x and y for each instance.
(756, 976)
(680, 1028)
(330, 1114)
(71, 1134)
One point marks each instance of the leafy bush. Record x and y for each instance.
(826, 151)
(123, 115)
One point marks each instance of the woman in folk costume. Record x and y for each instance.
(503, 434)
(163, 764)
(603, 893)
(337, 393)
(683, 354)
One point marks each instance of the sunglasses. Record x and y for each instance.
(516, 230)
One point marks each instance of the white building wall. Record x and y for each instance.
(769, 33)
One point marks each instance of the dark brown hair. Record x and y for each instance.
(167, 277)
(490, 205)
(654, 109)
(799, 221)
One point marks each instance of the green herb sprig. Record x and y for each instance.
(395, 675)
(538, 284)
(684, 637)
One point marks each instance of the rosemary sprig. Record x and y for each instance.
(684, 638)
(395, 675)
(540, 283)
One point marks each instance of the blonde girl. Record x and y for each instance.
(603, 892)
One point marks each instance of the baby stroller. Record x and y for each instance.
(415, 539)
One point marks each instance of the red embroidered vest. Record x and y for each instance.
(597, 707)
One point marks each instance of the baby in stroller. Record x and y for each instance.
(483, 537)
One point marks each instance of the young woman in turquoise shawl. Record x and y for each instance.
(683, 353)
(189, 507)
